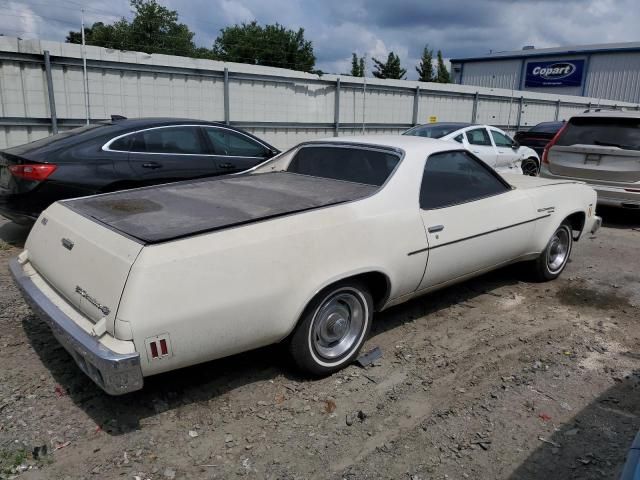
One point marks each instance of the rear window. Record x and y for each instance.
(546, 127)
(43, 142)
(359, 165)
(613, 132)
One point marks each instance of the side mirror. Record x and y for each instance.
(272, 152)
(515, 145)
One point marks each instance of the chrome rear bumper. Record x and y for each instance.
(114, 372)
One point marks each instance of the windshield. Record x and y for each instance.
(432, 131)
(351, 164)
(613, 132)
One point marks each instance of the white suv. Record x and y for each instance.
(601, 148)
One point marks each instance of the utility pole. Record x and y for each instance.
(84, 69)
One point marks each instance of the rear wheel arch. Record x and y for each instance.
(577, 221)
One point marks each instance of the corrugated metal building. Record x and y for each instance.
(608, 71)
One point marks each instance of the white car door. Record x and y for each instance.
(473, 219)
(508, 158)
(479, 143)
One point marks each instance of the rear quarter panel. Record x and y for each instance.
(561, 200)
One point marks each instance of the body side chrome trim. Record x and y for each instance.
(478, 235)
(106, 146)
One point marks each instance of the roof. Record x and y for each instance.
(556, 51)
(399, 142)
(156, 121)
(609, 114)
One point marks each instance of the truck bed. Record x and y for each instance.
(172, 211)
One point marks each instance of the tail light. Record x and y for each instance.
(36, 172)
(545, 153)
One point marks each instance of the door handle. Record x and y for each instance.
(475, 151)
(227, 165)
(151, 165)
(435, 228)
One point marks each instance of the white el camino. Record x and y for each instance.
(301, 250)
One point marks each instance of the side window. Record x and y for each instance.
(451, 178)
(228, 142)
(479, 136)
(501, 140)
(122, 144)
(458, 138)
(177, 140)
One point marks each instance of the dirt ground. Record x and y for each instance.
(496, 378)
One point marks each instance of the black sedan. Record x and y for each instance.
(538, 136)
(120, 154)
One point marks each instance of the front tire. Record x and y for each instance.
(332, 328)
(530, 167)
(551, 262)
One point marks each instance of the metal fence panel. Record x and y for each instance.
(282, 106)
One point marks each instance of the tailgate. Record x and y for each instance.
(595, 162)
(82, 261)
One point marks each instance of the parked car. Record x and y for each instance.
(120, 154)
(490, 144)
(300, 249)
(603, 149)
(538, 136)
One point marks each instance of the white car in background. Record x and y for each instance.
(490, 144)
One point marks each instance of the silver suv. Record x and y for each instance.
(601, 148)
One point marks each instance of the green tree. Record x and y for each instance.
(425, 69)
(389, 69)
(271, 45)
(357, 66)
(442, 74)
(154, 29)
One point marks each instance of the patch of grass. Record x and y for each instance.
(4, 246)
(9, 460)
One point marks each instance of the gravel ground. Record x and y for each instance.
(494, 378)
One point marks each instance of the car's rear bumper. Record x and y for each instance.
(116, 373)
(608, 195)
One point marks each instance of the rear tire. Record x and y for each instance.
(553, 259)
(332, 328)
(530, 167)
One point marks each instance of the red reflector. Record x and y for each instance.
(163, 347)
(35, 171)
(154, 349)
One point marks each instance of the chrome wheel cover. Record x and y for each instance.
(558, 250)
(338, 324)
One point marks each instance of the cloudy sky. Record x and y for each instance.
(372, 27)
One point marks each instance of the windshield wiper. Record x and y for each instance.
(618, 145)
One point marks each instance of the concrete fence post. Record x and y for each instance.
(474, 110)
(519, 117)
(336, 110)
(557, 114)
(52, 100)
(226, 96)
(416, 102)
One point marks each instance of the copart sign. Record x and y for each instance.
(557, 73)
